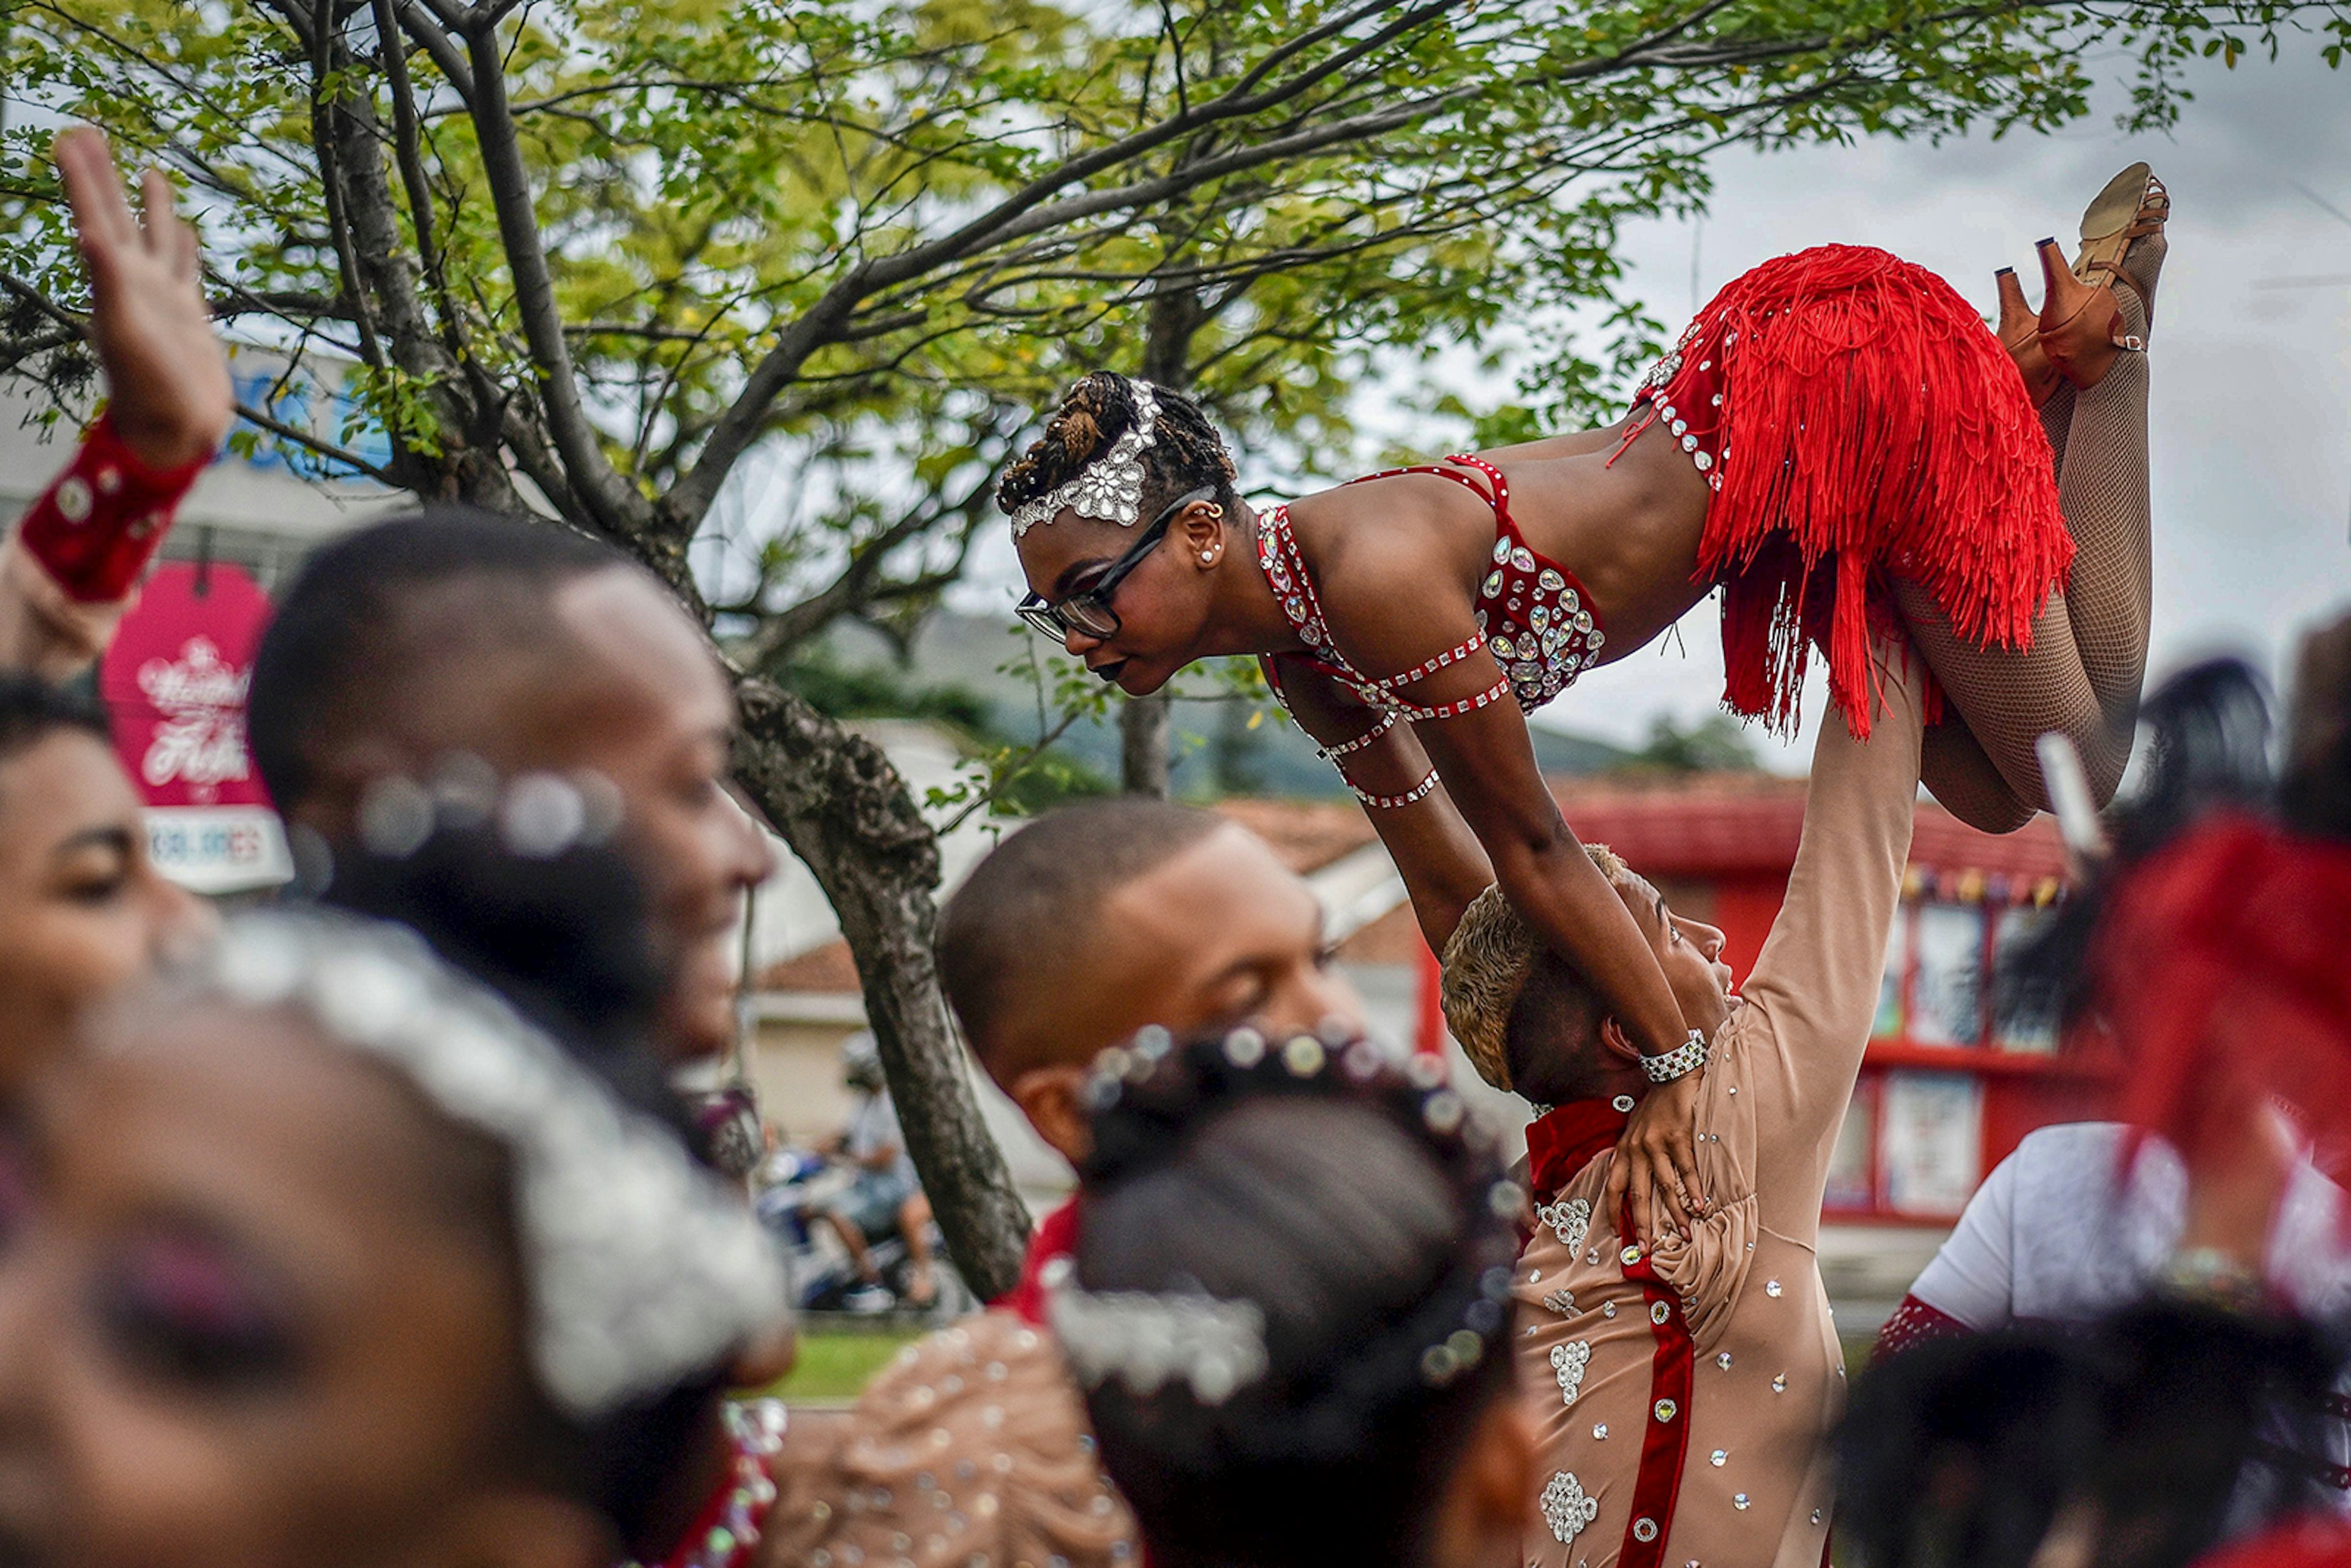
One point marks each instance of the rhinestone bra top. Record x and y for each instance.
(1532, 613)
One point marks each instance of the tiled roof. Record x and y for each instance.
(1306, 834)
(1681, 825)
(1705, 825)
(825, 969)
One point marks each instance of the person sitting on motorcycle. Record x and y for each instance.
(886, 1195)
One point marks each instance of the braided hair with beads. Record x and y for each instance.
(1187, 454)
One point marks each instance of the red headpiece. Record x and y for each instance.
(2223, 966)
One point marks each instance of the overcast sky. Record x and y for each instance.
(2250, 417)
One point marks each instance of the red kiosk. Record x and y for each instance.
(174, 681)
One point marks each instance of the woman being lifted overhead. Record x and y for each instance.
(1838, 442)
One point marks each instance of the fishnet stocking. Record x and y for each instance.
(2088, 657)
(2057, 421)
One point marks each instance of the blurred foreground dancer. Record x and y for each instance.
(2133, 1442)
(1682, 1393)
(71, 567)
(2215, 965)
(327, 1254)
(2083, 1218)
(1290, 1305)
(442, 653)
(2210, 1409)
(83, 909)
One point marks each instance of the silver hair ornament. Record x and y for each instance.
(538, 815)
(1145, 1340)
(642, 1269)
(1108, 488)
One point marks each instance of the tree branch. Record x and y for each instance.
(1012, 772)
(614, 507)
(309, 443)
(324, 136)
(412, 178)
(447, 56)
(859, 583)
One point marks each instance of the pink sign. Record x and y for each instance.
(174, 680)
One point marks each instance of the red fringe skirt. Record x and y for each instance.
(1858, 422)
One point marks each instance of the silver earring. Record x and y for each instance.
(1207, 559)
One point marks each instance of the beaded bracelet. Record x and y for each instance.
(1426, 714)
(1389, 803)
(1332, 754)
(1683, 1060)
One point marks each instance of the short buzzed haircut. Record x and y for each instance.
(1026, 914)
(1497, 972)
(347, 633)
(33, 709)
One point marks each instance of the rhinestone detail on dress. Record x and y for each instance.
(1566, 1509)
(1532, 616)
(1569, 1220)
(1568, 1362)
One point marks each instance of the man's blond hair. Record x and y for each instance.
(1486, 961)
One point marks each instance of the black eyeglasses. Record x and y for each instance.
(1088, 612)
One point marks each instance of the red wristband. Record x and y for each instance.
(100, 522)
(1913, 1323)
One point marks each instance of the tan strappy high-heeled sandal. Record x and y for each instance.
(2020, 334)
(2081, 328)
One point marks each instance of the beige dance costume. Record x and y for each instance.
(1685, 1394)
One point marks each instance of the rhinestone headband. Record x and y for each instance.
(642, 1268)
(1145, 1340)
(1157, 1337)
(1108, 488)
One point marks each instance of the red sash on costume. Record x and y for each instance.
(1057, 1237)
(1566, 1138)
(1664, 1442)
(1559, 1144)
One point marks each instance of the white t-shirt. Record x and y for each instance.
(873, 1126)
(2059, 1233)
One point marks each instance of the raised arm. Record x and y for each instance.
(68, 571)
(1816, 982)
